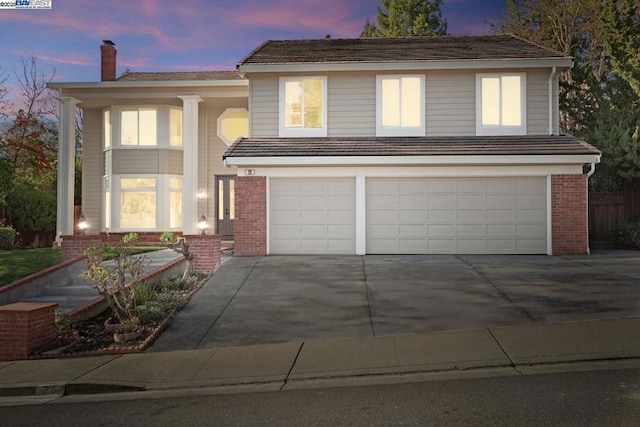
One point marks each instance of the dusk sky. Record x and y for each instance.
(188, 35)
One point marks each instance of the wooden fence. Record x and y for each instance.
(606, 211)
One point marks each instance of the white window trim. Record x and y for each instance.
(399, 130)
(287, 132)
(501, 129)
(163, 190)
(163, 133)
(222, 117)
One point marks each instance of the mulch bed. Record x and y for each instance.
(90, 338)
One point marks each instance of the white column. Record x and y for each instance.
(361, 215)
(190, 213)
(66, 165)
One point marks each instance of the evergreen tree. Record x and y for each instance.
(407, 18)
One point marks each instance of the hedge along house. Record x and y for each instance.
(431, 145)
(152, 150)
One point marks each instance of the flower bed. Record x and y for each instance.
(156, 304)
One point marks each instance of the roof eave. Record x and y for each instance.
(562, 62)
(537, 159)
(147, 84)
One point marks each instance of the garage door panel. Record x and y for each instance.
(470, 230)
(411, 216)
(456, 215)
(412, 230)
(470, 185)
(311, 216)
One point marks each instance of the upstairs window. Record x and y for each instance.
(501, 104)
(138, 127)
(400, 105)
(303, 106)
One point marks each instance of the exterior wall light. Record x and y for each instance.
(82, 224)
(202, 194)
(202, 224)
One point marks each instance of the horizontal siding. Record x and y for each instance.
(351, 106)
(134, 161)
(537, 102)
(92, 165)
(264, 106)
(174, 162)
(450, 103)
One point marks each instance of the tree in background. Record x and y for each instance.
(403, 18)
(621, 31)
(596, 99)
(28, 148)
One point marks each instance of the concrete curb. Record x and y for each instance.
(513, 350)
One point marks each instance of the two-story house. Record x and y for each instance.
(431, 145)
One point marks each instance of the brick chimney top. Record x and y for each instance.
(108, 61)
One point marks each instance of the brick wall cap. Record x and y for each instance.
(28, 306)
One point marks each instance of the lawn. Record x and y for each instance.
(19, 263)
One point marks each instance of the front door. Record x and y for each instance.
(225, 206)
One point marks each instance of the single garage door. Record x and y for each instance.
(457, 216)
(312, 216)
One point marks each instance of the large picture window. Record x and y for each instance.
(400, 105)
(142, 203)
(500, 104)
(303, 106)
(138, 203)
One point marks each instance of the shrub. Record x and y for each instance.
(7, 237)
(32, 209)
(151, 312)
(628, 235)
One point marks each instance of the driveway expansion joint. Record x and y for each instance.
(295, 359)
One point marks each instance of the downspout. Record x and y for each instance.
(552, 77)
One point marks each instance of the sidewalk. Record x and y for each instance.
(511, 350)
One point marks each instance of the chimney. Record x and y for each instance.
(108, 61)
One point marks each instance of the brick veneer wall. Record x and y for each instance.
(24, 328)
(250, 226)
(74, 246)
(205, 250)
(569, 214)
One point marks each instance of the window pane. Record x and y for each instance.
(175, 127)
(511, 106)
(313, 104)
(390, 102)
(232, 200)
(491, 101)
(138, 183)
(234, 124)
(107, 209)
(147, 127)
(129, 128)
(175, 183)
(107, 129)
(221, 199)
(411, 101)
(293, 104)
(138, 209)
(175, 209)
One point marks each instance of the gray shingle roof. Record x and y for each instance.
(397, 49)
(177, 76)
(410, 146)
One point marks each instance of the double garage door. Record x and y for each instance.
(410, 216)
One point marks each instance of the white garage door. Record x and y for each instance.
(312, 216)
(456, 216)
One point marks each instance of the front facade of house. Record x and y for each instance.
(436, 145)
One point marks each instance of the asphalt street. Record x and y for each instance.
(596, 398)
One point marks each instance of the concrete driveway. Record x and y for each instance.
(295, 298)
